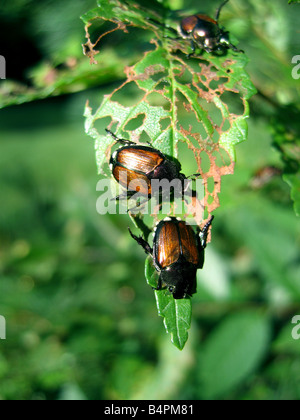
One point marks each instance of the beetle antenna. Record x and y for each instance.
(118, 140)
(219, 10)
(112, 134)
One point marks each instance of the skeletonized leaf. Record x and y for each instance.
(181, 101)
(167, 99)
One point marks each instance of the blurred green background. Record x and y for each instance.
(81, 321)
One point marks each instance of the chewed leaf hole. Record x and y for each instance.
(216, 137)
(215, 84)
(144, 138)
(234, 102)
(205, 162)
(215, 115)
(226, 125)
(211, 185)
(159, 76)
(184, 77)
(210, 199)
(135, 123)
(165, 123)
(102, 123)
(128, 95)
(155, 98)
(188, 163)
(221, 158)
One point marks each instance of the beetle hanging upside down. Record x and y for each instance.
(178, 252)
(205, 33)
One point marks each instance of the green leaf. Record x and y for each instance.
(48, 80)
(286, 128)
(232, 353)
(166, 99)
(115, 11)
(177, 313)
(186, 97)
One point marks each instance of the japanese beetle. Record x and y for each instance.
(177, 253)
(133, 163)
(205, 33)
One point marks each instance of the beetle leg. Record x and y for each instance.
(124, 196)
(187, 190)
(159, 285)
(144, 244)
(224, 42)
(235, 49)
(193, 46)
(137, 207)
(119, 197)
(194, 175)
(204, 233)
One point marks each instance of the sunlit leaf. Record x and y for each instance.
(166, 99)
(169, 84)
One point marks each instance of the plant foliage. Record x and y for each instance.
(80, 324)
(211, 92)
